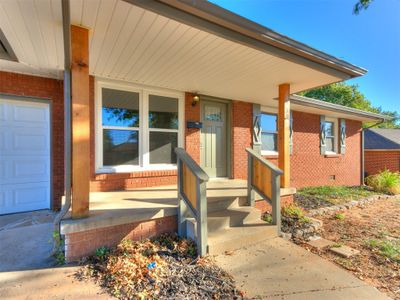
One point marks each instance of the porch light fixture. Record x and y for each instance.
(195, 99)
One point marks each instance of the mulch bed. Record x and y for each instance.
(379, 221)
(163, 268)
(308, 203)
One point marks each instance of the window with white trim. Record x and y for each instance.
(137, 128)
(269, 134)
(331, 135)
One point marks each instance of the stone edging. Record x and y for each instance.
(348, 205)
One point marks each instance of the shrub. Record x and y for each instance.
(294, 212)
(386, 182)
(339, 216)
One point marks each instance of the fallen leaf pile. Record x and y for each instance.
(166, 267)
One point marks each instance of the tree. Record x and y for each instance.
(361, 5)
(349, 95)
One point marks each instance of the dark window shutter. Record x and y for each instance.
(342, 136)
(322, 142)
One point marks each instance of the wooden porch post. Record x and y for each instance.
(284, 133)
(80, 121)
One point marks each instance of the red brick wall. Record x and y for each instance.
(52, 90)
(310, 168)
(242, 119)
(376, 161)
(80, 244)
(265, 207)
(192, 135)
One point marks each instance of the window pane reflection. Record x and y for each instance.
(120, 147)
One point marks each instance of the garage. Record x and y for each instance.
(24, 155)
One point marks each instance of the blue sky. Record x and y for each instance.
(370, 40)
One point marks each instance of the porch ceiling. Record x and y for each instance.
(136, 45)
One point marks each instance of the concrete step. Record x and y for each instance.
(233, 238)
(232, 217)
(221, 203)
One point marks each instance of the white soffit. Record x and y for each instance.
(135, 45)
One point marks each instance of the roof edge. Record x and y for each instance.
(306, 101)
(223, 17)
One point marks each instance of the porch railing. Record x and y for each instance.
(263, 177)
(192, 198)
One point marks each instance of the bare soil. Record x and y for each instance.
(379, 223)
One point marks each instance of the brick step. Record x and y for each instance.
(233, 238)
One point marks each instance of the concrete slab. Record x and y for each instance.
(278, 269)
(320, 243)
(53, 283)
(26, 241)
(344, 251)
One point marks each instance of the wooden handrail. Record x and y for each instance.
(192, 198)
(269, 164)
(191, 164)
(263, 177)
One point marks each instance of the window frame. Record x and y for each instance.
(335, 131)
(270, 152)
(143, 129)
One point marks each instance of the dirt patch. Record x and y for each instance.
(374, 230)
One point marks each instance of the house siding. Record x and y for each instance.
(242, 119)
(47, 89)
(376, 161)
(310, 168)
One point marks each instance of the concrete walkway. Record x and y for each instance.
(26, 241)
(278, 269)
(53, 283)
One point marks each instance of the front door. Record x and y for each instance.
(213, 138)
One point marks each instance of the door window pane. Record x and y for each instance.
(162, 146)
(163, 112)
(120, 147)
(212, 113)
(269, 141)
(120, 108)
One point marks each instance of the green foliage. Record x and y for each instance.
(339, 216)
(267, 218)
(386, 248)
(386, 182)
(361, 5)
(293, 211)
(59, 254)
(335, 194)
(350, 96)
(102, 252)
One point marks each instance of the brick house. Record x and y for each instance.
(381, 150)
(94, 111)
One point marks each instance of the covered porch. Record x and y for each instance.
(179, 50)
(143, 212)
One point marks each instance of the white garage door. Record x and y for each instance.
(24, 156)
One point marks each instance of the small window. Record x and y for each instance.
(269, 133)
(331, 135)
